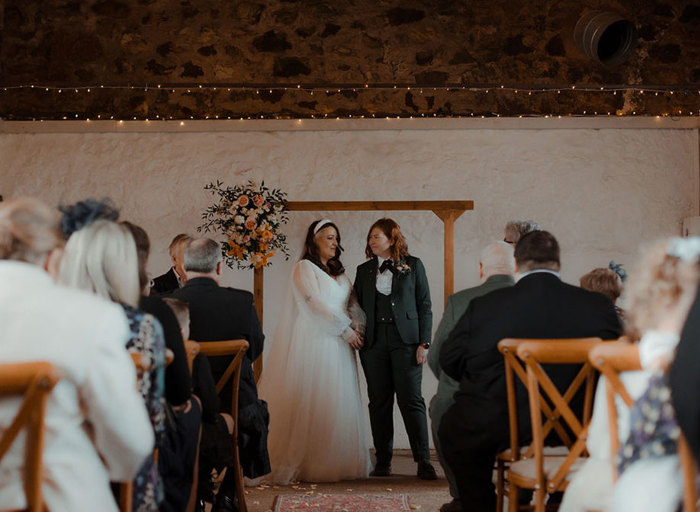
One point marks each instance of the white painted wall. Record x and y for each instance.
(600, 191)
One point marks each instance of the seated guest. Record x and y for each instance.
(101, 258)
(495, 271)
(96, 425)
(177, 452)
(605, 281)
(659, 293)
(175, 277)
(516, 229)
(218, 313)
(475, 428)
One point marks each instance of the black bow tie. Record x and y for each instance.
(387, 264)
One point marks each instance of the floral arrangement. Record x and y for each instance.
(249, 216)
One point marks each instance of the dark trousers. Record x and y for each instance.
(470, 442)
(390, 368)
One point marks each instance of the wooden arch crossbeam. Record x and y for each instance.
(447, 211)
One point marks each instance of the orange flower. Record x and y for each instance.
(235, 251)
(250, 224)
(261, 260)
(263, 247)
(258, 200)
(243, 201)
(267, 235)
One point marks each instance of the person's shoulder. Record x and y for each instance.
(238, 294)
(366, 265)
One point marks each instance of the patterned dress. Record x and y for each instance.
(147, 339)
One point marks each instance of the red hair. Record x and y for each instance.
(399, 247)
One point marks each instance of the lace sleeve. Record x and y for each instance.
(307, 294)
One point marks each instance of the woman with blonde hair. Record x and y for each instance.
(659, 295)
(102, 258)
(392, 289)
(96, 426)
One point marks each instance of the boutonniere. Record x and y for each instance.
(402, 268)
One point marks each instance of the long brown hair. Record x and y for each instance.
(334, 266)
(399, 247)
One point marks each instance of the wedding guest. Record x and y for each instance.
(495, 271)
(219, 313)
(310, 379)
(80, 214)
(101, 258)
(475, 428)
(605, 281)
(175, 277)
(96, 425)
(392, 289)
(177, 452)
(516, 229)
(659, 294)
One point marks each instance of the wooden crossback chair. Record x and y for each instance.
(546, 474)
(32, 381)
(514, 368)
(236, 348)
(192, 348)
(611, 359)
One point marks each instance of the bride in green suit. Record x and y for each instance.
(392, 289)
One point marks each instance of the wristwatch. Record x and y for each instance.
(425, 345)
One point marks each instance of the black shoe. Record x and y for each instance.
(381, 470)
(426, 471)
(224, 503)
(452, 506)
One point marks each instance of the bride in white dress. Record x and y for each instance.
(310, 380)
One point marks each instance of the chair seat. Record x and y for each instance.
(552, 451)
(523, 473)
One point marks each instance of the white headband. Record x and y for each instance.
(322, 223)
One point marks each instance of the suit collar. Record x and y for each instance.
(538, 271)
(201, 281)
(499, 279)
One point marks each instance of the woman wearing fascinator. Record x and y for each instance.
(310, 380)
(392, 289)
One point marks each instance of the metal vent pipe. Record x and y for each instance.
(606, 37)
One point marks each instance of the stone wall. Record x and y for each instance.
(257, 51)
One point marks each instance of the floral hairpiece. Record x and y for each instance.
(83, 213)
(617, 268)
(687, 249)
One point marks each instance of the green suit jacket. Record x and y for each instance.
(410, 300)
(456, 306)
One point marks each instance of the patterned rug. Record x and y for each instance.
(341, 503)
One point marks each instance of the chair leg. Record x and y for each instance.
(513, 498)
(240, 489)
(540, 496)
(500, 470)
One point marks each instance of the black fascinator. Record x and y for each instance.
(83, 213)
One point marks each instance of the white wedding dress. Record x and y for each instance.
(310, 382)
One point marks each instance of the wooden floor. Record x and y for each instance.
(425, 496)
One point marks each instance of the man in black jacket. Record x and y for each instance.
(475, 428)
(173, 278)
(219, 313)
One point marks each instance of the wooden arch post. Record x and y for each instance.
(447, 211)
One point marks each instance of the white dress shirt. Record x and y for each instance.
(95, 407)
(383, 278)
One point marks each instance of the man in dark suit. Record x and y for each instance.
(175, 277)
(475, 428)
(495, 271)
(218, 313)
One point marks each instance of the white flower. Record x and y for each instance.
(239, 219)
(687, 249)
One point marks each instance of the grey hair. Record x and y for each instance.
(202, 255)
(515, 229)
(29, 230)
(101, 258)
(497, 258)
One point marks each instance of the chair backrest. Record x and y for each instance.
(611, 359)
(192, 348)
(33, 381)
(535, 354)
(514, 368)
